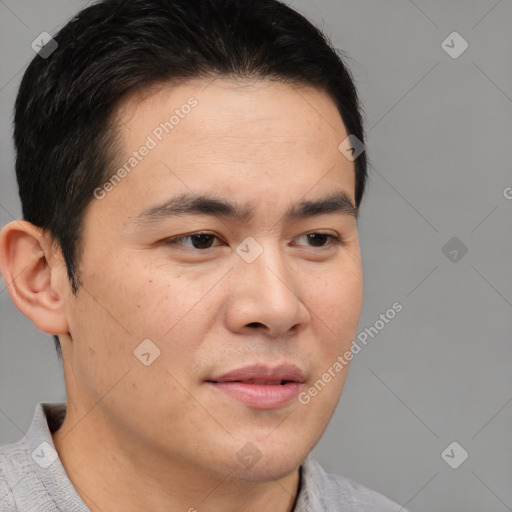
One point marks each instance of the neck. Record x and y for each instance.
(113, 472)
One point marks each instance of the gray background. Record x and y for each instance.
(439, 138)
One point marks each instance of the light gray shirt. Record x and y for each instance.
(32, 478)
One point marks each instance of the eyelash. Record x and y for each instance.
(176, 240)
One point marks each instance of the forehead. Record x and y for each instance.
(233, 116)
(256, 140)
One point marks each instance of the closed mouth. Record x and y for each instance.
(260, 382)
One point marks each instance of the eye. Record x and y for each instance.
(198, 240)
(319, 239)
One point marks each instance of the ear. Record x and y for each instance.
(35, 277)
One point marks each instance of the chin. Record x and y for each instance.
(265, 473)
(266, 464)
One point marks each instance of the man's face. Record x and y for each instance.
(251, 291)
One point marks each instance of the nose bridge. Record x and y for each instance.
(268, 292)
(267, 267)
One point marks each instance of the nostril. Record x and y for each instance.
(254, 324)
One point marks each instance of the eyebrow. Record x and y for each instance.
(193, 204)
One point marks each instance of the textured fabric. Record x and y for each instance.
(32, 478)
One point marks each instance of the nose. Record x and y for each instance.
(266, 295)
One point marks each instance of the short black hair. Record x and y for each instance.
(63, 124)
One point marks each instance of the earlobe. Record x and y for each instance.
(33, 277)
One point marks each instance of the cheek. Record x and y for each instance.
(171, 306)
(336, 305)
(144, 300)
(109, 366)
(337, 301)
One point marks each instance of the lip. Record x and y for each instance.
(288, 372)
(266, 392)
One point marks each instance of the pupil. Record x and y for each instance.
(201, 239)
(312, 235)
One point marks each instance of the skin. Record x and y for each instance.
(157, 437)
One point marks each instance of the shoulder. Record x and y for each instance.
(29, 468)
(330, 493)
(13, 466)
